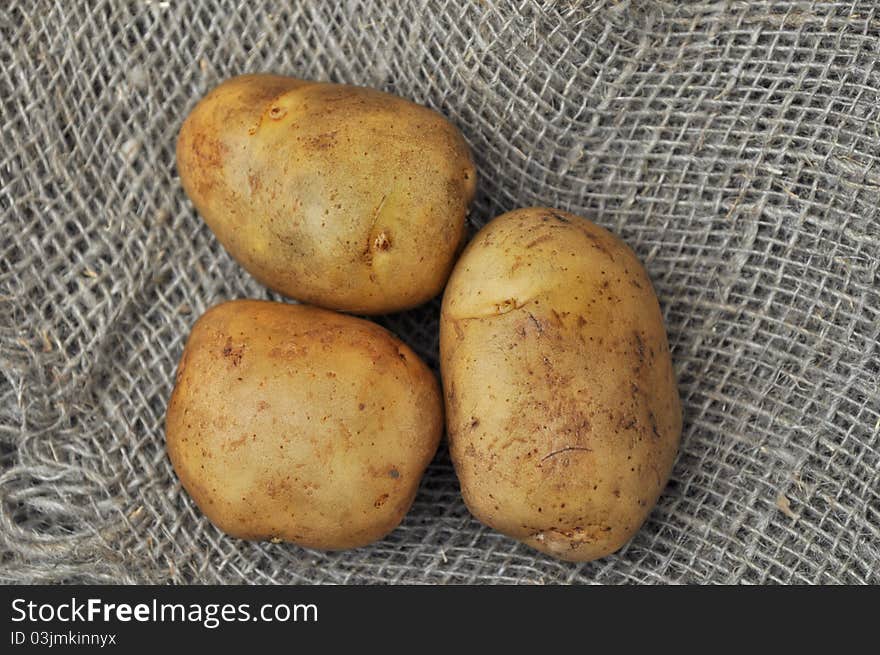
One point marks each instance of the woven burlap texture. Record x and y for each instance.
(734, 145)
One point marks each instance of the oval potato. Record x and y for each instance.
(562, 406)
(294, 423)
(340, 196)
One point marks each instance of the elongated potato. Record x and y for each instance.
(562, 407)
(340, 196)
(296, 423)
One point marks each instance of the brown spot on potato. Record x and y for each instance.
(254, 183)
(598, 243)
(382, 241)
(233, 353)
(559, 539)
(540, 239)
(209, 150)
(625, 422)
(640, 348)
(507, 305)
(536, 323)
(380, 501)
(277, 487)
(277, 112)
(565, 450)
(181, 367)
(653, 421)
(323, 141)
(235, 444)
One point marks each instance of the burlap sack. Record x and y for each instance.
(733, 144)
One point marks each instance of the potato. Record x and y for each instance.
(562, 407)
(339, 196)
(294, 423)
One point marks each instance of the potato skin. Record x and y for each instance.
(563, 412)
(339, 196)
(295, 423)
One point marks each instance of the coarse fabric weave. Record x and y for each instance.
(734, 145)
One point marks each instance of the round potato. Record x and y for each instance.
(562, 407)
(294, 423)
(339, 196)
